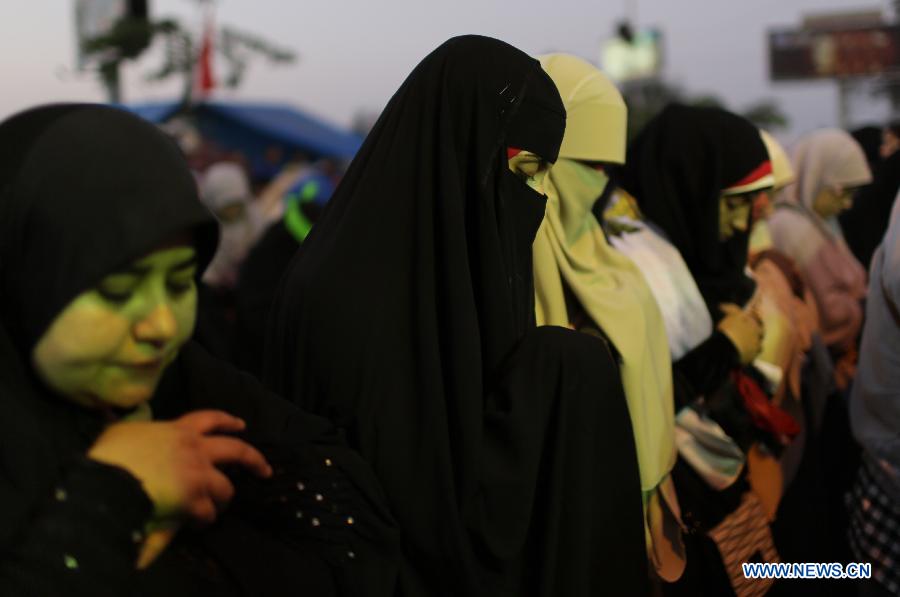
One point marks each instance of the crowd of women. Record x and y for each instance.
(514, 355)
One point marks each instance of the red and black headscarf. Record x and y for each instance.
(677, 168)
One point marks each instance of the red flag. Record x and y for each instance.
(204, 81)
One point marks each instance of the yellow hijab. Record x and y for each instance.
(782, 171)
(783, 175)
(570, 249)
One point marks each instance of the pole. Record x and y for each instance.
(109, 73)
(844, 89)
(631, 12)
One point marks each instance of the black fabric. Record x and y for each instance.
(506, 452)
(865, 223)
(811, 523)
(257, 286)
(704, 369)
(869, 138)
(63, 169)
(702, 508)
(83, 190)
(261, 546)
(216, 327)
(676, 169)
(81, 536)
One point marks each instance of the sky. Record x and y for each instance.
(353, 54)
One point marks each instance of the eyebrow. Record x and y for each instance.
(738, 200)
(185, 264)
(141, 270)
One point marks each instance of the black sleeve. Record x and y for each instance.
(84, 540)
(321, 490)
(701, 371)
(198, 380)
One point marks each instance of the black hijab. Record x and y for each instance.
(397, 312)
(677, 168)
(85, 189)
(64, 171)
(865, 223)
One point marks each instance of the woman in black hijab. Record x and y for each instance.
(693, 172)
(505, 451)
(865, 223)
(102, 461)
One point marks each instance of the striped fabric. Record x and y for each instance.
(744, 537)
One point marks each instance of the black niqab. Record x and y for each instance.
(677, 168)
(407, 317)
(426, 243)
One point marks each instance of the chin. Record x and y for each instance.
(128, 395)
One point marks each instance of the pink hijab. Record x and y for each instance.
(825, 158)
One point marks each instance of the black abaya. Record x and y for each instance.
(257, 287)
(506, 452)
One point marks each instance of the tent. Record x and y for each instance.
(268, 134)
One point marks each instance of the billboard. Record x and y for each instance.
(829, 53)
(633, 56)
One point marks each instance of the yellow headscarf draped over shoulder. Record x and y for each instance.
(570, 250)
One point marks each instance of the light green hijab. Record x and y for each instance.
(570, 249)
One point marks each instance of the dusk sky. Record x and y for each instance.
(353, 54)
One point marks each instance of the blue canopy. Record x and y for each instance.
(255, 128)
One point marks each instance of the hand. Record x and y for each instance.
(176, 461)
(157, 540)
(845, 369)
(744, 329)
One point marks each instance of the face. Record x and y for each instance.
(762, 205)
(531, 168)
(734, 214)
(833, 200)
(110, 345)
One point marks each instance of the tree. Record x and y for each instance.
(130, 37)
(646, 98)
(766, 114)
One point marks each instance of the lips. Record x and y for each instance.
(146, 367)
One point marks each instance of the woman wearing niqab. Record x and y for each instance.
(580, 280)
(89, 194)
(506, 451)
